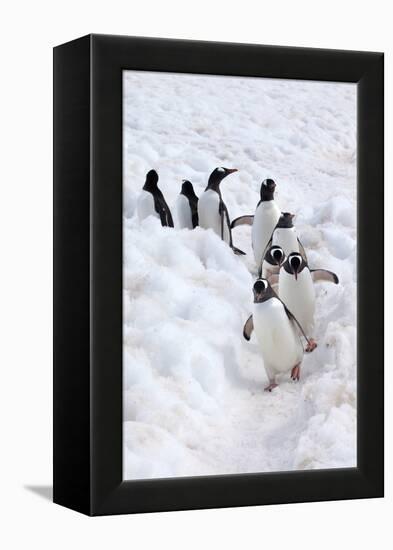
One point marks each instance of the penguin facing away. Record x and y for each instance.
(263, 222)
(151, 201)
(296, 290)
(187, 206)
(278, 333)
(284, 235)
(212, 211)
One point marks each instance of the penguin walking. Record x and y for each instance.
(151, 201)
(264, 220)
(285, 236)
(296, 290)
(273, 260)
(212, 211)
(187, 206)
(278, 334)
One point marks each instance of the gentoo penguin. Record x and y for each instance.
(284, 235)
(212, 212)
(273, 260)
(187, 206)
(264, 220)
(278, 333)
(296, 290)
(151, 201)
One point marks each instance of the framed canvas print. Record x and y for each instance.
(218, 274)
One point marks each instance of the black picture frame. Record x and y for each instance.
(88, 274)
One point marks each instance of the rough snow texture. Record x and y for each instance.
(193, 387)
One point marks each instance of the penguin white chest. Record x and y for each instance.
(286, 238)
(209, 214)
(183, 210)
(278, 340)
(266, 217)
(145, 205)
(299, 297)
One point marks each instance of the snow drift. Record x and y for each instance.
(193, 388)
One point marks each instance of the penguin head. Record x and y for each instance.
(187, 189)
(151, 180)
(218, 175)
(286, 220)
(275, 255)
(294, 263)
(262, 290)
(267, 190)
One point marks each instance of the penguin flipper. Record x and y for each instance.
(221, 211)
(168, 215)
(238, 252)
(293, 320)
(162, 209)
(248, 328)
(194, 212)
(324, 275)
(242, 220)
(301, 250)
(299, 327)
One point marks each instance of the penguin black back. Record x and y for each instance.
(160, 204)
(187, 190)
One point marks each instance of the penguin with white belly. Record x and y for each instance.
(212, 211)
(151, 201)
(273, 260)
(285, 236)
(296, 290)
(264, 220)
(187, 206)
(278, 334)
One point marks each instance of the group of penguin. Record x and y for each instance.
(284, 295)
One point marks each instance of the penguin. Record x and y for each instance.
(212, 211)
(284, 235)
(273, 260)
(151, 201)
(296, 290)
(187, 206)
(278, 334)
(264, 220)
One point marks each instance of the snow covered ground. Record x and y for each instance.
(193, 387)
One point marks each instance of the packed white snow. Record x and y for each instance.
(193, 387)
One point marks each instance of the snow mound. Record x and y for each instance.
(193, 387)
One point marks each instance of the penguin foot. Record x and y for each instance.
(271, 386)
(311, 345)
(295, 373)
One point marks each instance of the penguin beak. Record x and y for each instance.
(231, 170)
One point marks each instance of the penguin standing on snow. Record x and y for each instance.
(285, 236)
(264, 220)
(187, 206)
(212, 211)
(296, 290)
(151, 201)
(278, 334)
